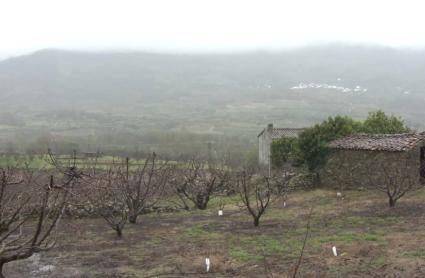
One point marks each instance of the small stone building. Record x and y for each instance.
(357, 159)
(266, 137)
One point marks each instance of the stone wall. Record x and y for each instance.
(350, 169)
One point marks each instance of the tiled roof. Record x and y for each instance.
(378, 142)
(278, 133)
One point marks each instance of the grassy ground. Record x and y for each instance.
(371, 239)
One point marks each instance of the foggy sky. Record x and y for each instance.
(206, 25)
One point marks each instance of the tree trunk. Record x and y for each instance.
(202, 201)
(201, 206)
(1, 270)
(119, 233)
(391, 202)
(133, 218)
(256, 221)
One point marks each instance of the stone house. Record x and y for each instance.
(356, 159)
(266, 137)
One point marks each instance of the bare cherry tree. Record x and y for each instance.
(10, 208)
(143, 187)
(98, 193)
(29, 213)
(394, 176)
(105, 198)
(197, 180)
(255, 192)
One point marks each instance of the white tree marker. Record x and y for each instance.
(334, 251)
(339, 194)
(220, 212)
(207, 264)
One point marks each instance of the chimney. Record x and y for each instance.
(269, 128)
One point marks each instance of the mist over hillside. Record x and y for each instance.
(114, 100)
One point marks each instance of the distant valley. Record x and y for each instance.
(126, 101)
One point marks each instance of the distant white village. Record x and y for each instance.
(358, 89)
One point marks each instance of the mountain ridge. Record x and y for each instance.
(72, 93)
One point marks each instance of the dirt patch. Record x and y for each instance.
(372, 241)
